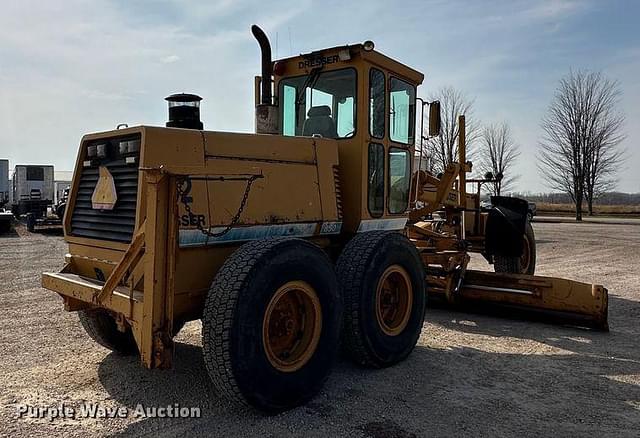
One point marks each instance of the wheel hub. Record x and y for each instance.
(291, 326)
(394, 300)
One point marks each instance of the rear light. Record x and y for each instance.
(134, 146)
(129, 147)
(102, 151)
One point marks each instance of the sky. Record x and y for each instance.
(72, 67)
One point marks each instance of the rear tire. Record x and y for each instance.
(271, 324)
(102, 328)
(525, 264)
(383, 281)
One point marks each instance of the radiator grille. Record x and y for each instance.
(117, 224)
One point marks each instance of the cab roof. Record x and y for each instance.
(370, 56)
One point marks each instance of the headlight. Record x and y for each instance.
(102, 150)
(134, 146)
(129, 147)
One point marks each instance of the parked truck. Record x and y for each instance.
(267, 237)
(33, 193)
(5, 216)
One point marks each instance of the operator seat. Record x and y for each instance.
(320, 122)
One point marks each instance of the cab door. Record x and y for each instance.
(391, 126)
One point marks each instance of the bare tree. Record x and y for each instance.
(442, 150)
(582, 130)
(603, 154)
(498, 153)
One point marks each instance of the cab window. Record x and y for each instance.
(399, 180)
(376, 103)
(35, 173)
(402, 101)
(375, 179)
(321, 103)
(288, 94)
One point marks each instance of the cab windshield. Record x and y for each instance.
(321, 104)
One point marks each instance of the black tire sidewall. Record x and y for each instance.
(102, 328)
(393, 249)
(259, 382)
(530, 236)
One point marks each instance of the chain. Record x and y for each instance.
(182, 197)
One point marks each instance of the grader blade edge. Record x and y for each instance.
(563, 300)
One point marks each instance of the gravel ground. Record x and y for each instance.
(470, 375)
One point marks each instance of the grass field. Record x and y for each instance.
(548, 209)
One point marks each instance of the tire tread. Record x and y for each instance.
(218, 315)
(351, 267)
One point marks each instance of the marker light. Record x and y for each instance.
(278, 68)
(368, 46)
(344, 55)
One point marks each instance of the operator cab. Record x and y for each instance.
(363, 100)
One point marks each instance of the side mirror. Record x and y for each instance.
(434, 119)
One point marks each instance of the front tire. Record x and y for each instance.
(526, 263)
(271, 324)
(383, 282)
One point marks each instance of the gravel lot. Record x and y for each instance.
(470, 375)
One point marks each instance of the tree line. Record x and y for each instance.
(607, 198)
(579, 149)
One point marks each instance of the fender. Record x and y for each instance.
(506, 226)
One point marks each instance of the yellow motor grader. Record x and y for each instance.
(312, 232)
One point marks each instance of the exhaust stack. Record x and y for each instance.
(266, 112)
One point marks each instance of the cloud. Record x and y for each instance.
(101, 95)
(170, 59)
(67, 68)
(554, 9)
